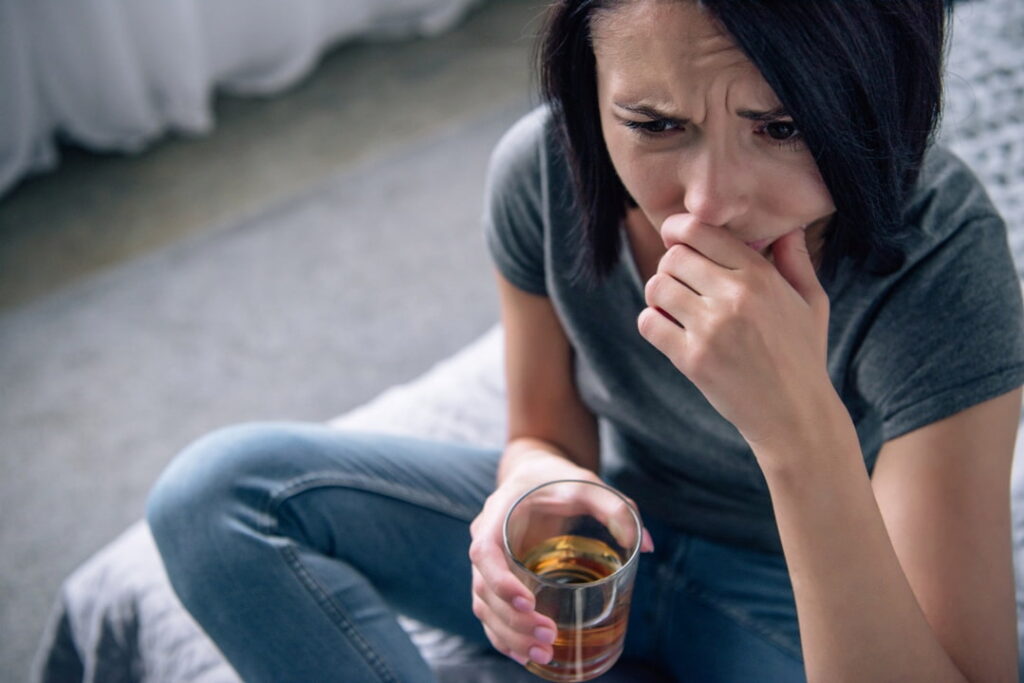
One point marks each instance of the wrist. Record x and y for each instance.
(523, 458)
(820, 433)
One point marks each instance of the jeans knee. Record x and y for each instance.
(197, 502)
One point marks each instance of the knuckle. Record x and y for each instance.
(677, 254)
(674, 260)
(479, 609)
(673, 224)
(741, 297)
(647, 322)
(686, 228)
(479, 588)
(657, 288)
(477, 552)
(738, 308)
(507, 588)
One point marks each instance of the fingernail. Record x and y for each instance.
(519, 658)
(544, 635)
(539, 656)
(521, 604)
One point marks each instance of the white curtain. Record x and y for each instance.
(114, 75)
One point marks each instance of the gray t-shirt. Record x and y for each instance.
(943, 333)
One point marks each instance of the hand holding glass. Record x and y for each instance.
(575, 544)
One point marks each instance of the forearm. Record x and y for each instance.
(859, 618)
(524, 452)
(570, 433)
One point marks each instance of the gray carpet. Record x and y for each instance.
(301, 311)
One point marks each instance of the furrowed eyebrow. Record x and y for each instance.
(776, 113)
(751, 114)
(649, 112)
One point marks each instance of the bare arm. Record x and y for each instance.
(903, 577)
(544, 409)
(907, 576)
(552, 436)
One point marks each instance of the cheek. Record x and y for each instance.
(650, 179)
(798, 192)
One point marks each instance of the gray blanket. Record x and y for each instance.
(117, 618)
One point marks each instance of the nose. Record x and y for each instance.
(716, 186)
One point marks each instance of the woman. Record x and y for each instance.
(738, 285)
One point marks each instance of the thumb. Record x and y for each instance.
(793, 261)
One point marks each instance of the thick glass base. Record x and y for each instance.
(572, 671)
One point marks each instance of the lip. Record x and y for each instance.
(760, 245)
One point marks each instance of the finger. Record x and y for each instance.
(647, 544)
(488, 560)
(611, 508)
(506, 594)
(503, 647)
(516, 616)
(519, 646)
(695, 270)
(675, 299)
(622, 523)
(663, 334)
(623, 528)
(647, 541)
(714, 243)
(617, 514)
(793, 261)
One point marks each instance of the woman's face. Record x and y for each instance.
(692, 127)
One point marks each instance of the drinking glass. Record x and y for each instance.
(575, 544)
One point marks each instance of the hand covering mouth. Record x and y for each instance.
(762, 244)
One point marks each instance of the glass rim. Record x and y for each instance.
(633, 555)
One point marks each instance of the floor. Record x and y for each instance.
(283, 267)
(363, 100)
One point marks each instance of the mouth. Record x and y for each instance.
(760, 245)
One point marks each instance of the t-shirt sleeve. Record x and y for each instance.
(513, 216)
(949, 335)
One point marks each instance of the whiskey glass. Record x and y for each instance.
(576, 544)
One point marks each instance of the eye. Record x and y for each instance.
(782, 133)
(781, 130)
(652, 128)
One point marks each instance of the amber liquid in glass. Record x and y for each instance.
(592, 640)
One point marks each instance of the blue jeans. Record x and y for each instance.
(294, 545)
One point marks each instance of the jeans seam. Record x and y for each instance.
(368, 484)
(333, 610)
(709, 599)
(337, 614)
(665, 574)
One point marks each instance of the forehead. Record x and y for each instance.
(657, 42)
(681, 21)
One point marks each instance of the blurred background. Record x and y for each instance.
(227, 212)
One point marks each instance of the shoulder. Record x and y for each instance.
(525, 166)
(914, 362)
(948, 198)
(957, 238)
(524, 145)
